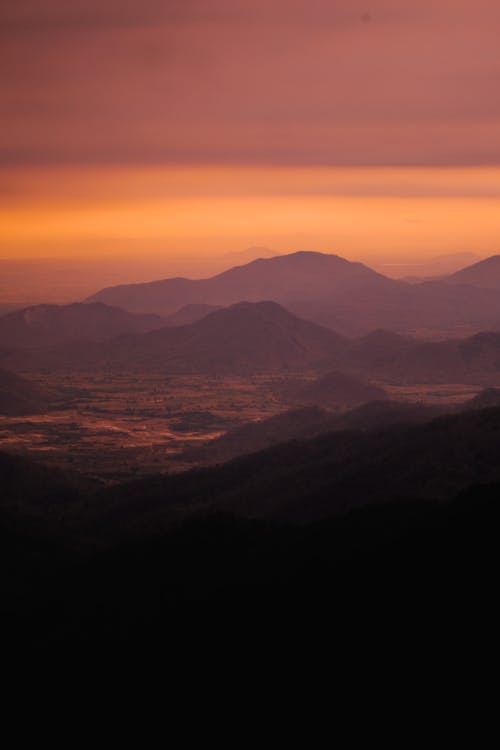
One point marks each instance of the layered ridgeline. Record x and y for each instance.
(45, 325)
(249, 338)
(245, 338)
(347, 297)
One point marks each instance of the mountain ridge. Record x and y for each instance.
(348, 297)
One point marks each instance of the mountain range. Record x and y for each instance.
(249, 338)
(244, 338)
(348, 297)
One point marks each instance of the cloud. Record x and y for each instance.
(241, 81)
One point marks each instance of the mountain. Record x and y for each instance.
(334, 390)
(347, 297)
(287, 278)
(46, 325)
(19, 396)
(244, 338)
(484, 274)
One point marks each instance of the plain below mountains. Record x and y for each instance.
(348, 297)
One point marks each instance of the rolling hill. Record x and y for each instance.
(46, 325)
(244, 338)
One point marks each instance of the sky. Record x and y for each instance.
(192, 129)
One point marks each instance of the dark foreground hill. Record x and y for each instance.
(347, 297)
(390, 572)
(18, 396)
(46, 325)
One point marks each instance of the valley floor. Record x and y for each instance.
(114, 428)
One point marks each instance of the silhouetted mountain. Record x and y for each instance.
(347, 297)
(19, 396)
(243, 338)
(189, 314)
(335, 390)
(484, 274)
(286, 278)
(45, 325)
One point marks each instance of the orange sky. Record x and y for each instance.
(199, 127)
(351, 211)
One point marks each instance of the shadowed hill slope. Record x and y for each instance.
(245, 338)
(484, 274)
(335, 390)
(18, 396)
(46, 325)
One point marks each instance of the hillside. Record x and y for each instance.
(403, 561)
(308, 422)
(334, 390)
(244, 338)
(485, 274)
(46, 325)
(18, 396)
(189, 314)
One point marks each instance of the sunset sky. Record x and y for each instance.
(191, 128)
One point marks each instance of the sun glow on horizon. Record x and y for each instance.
(93, 212)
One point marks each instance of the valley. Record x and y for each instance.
(126, 426)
